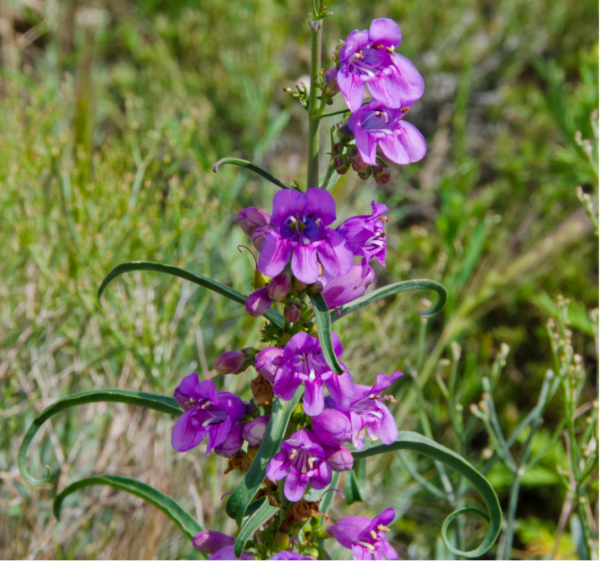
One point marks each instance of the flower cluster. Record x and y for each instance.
(303, 253)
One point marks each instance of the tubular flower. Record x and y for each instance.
(368, 58)
(256, 224)
(207, 413)
(366, 414)
(217, 545)
(342, 290)
(268, 361)
(376, 124)
(365, 235)
(303, 361)
(258, 303)
(254, 431)
(365, 536)
(300, 233)
(233, 443)
(303, 460)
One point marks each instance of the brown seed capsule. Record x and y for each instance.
(262, 390)
(240, 461)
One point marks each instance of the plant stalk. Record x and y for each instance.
(312, 172)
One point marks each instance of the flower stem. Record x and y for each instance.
(312, 174)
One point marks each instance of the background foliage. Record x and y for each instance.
(111, 116)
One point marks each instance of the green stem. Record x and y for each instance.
(312, 172)
(510, 520)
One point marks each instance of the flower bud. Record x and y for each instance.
(280, 286)
(381, 173)
(259, 235)
(316, 287)
(234, 362)
(344, 133)
(258, 303)
(366, 174)
(251, 218)
(210, 541)
(299, 285)
(358, 165)
(254, 431)
(292, 311)
(331, 85)
(339, 458)
(341, 164)
(268, 361)
(332, 427)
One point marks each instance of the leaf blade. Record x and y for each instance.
(324, 330)
(155, 402)
(244, 493)
(391, 289)
(418, 443)
(200, 280)
(253, 523)
(252, 167)
(187, 523)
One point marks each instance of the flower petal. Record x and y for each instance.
(286, 202)
(393, 150)
(378, 86)
(388, 431)
(367, 145)
(304, 263)
(217, 434)
(341, 388)
(356, 40)
(313, 397)
(186, 387)
(210, 541)
(334, 254)
(332, 427)
(386, 32)
(405, 84)
(321, 203)
(286, 383)
(295, 486)
(275, 254)
(186, 434)
(278, 467)
(320, 477)
(412, 141)
(348, 528)
(352, 88)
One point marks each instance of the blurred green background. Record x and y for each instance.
(111, 116)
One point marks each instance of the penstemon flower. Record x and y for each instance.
(365, 536)
(368, 59)
(300, 233)
(338, 291)
(208, 412)
(303, 362)
(375, 124)
(302, 460)
(365, 415)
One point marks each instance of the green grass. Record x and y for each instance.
(107, 138)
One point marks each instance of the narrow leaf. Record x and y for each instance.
(150, 401)
(324, 330)
(253, 523)
(187, 523)
(201, 280)
(252, 167)
(391, 289)
(244, 493)
(418, 443)
(353, 494)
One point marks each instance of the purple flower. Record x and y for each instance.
(210, 541)
(268, 361)
(258, 303)
(368, 58)
(341, 290)
(207, 413)
(234, 362)
(365, 235)
(285, 555)
(292, 311)
(233, 442)
(300, 233)
(228, 553)
(339, 457)
(254, 431)
(303, 460)
(303, 361)
(279, 287)
(366, 414)
(375, 124)
(365, 536)
(251, 218)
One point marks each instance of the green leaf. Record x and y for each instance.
(252, 167)
(149, 400)
(244, 493)
(418, 443)
(253, 523)
(187, 523)
(201, 280)
(391, 289)
(324, 330)
(353, 494)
